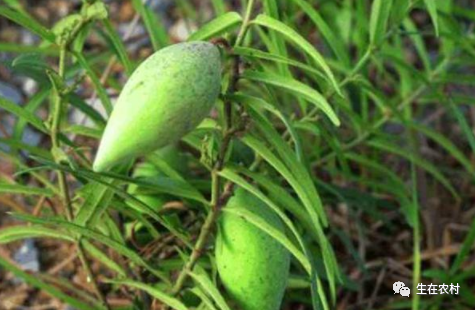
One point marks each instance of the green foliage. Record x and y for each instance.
(348, 119)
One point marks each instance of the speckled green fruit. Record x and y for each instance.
(166, 97)
(253, 266)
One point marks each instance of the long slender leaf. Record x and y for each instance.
(95, 236)
(118, 46)
(258, 54)
(447, 145)
(155, 29)
(96, 82)
(465, 250)
(389, 147)
(331, 38)
(155, 292)
(15, 233)
(296, 87)
(380, 11)
(205, 282)
(217, 26)
(432, 8)
(267, 155)
(48, 288)
(298, 40)
(27, 22)
(24, 190)
(22, 113)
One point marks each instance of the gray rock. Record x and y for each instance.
(27, 256)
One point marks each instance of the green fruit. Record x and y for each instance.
(252, 265)
(166, 97)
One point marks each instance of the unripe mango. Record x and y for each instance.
(166, 97)
(252, 265)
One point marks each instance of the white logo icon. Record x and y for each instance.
(397, 286)
(400, 288)
(405, 291)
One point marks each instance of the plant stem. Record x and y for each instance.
(204, 233)
(63, 184)
(55, 130)
(245, 23)
(218, 199)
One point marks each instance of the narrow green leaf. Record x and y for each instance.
(465, 250)
(419, 44)
(380, 12)
(96, 202)
(28, 23)
(319, 299)
(32, 105)
(296, 87)
(21, 146)
(51, 290)
(276, 42)
(205, 282)
(42, 179)
(256, 102)
(274, 161)
(217, 26)
(155, 292)
(297, 168)
(463, 124)
(332, 40)
(15, 4)
(118, 46)
(103, 258)
(95, 236)
(427, 166)
(125, 209)
(293, 36)
(22, 48)
(447, 145)
(218, 6)
(306, 191)
(24, 190)
(134, 202)
(81, 130)
(258, 54)
(87, 109)
(22, 113)
(278, 193)
(158, 35)
(204, 298)
(432, 8)
(96, 82)
(15, 233)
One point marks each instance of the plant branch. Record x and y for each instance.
(218, 199)
(55, 130)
